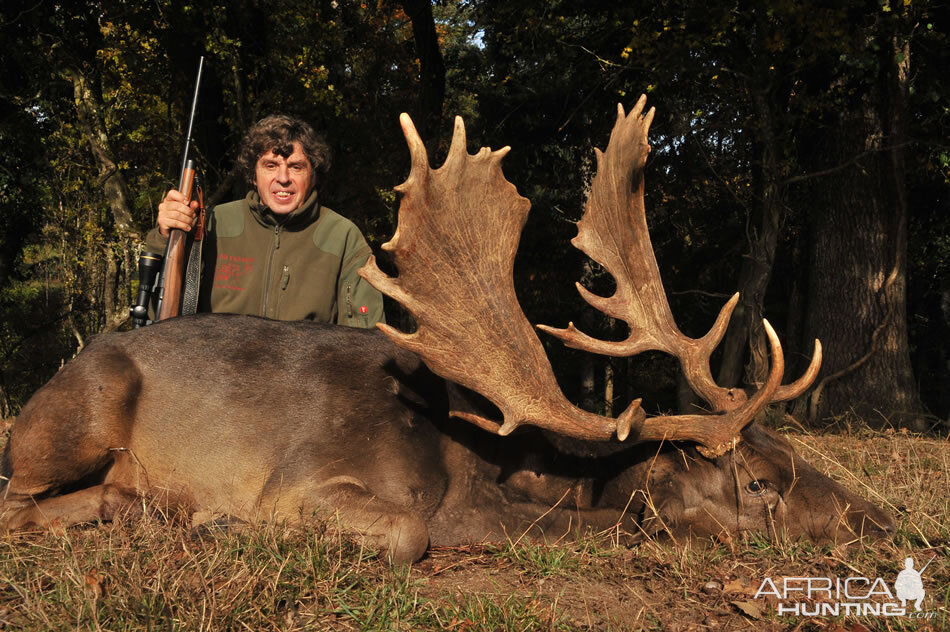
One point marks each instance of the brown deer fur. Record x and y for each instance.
(263, 420)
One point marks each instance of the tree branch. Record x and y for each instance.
(842, 166)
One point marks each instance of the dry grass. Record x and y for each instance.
(153, 574)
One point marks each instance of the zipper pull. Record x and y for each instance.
(276, 237)
(285, 278)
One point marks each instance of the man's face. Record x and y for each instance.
(283, 183)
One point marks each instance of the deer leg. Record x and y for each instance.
(66, 438)
(99, 502)
(71, 427)
(399, 532)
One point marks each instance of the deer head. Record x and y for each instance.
(454, 247)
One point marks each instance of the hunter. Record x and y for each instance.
(278, 252)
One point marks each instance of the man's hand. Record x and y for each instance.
(174, 213)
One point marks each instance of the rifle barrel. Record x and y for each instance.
(191, 122)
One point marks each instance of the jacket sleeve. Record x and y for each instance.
(155, 242)
(359, 304)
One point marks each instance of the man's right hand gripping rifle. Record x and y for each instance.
(176, 212)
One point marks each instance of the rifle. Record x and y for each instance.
(171, 282)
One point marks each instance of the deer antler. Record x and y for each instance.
(614, 233)
(458, 232)
(455, 244)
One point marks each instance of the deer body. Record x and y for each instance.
(196, 412)
(261, 419)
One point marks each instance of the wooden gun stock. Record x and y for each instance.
(173, 272)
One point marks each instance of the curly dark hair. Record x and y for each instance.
(278, 133)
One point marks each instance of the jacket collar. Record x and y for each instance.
(307, 214)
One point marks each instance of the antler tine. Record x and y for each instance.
(717, 431)
(419, 168)
(417, 150)
(799, 386)
(459, 227)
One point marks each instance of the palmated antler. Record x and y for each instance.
(458, 232)
(455, 245)
(614, 233)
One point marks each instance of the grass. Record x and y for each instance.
(153, 574)
(535, 560)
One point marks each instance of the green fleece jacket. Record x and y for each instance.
(296, 267)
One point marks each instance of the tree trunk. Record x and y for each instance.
(857, 294)
(745, 329)
(88, 107)
(431, 66)
(588, 392)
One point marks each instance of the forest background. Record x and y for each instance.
(800, 156)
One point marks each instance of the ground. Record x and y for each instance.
(154, 573)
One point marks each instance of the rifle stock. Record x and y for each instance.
(173, 271)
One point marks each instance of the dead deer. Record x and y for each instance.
(266, 420)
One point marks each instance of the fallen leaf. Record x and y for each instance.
(95, 583)
(749, 608)
(737, 586)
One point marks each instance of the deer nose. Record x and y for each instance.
(877, 524)
(885, 530)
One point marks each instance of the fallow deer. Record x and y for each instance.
(265, 420)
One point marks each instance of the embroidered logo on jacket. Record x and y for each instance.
(230, 269)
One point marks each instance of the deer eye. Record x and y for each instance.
(757, 487)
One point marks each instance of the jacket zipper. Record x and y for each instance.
(284, 282)
(270, 263)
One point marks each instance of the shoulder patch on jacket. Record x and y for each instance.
(335, 234)
(229, 219)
